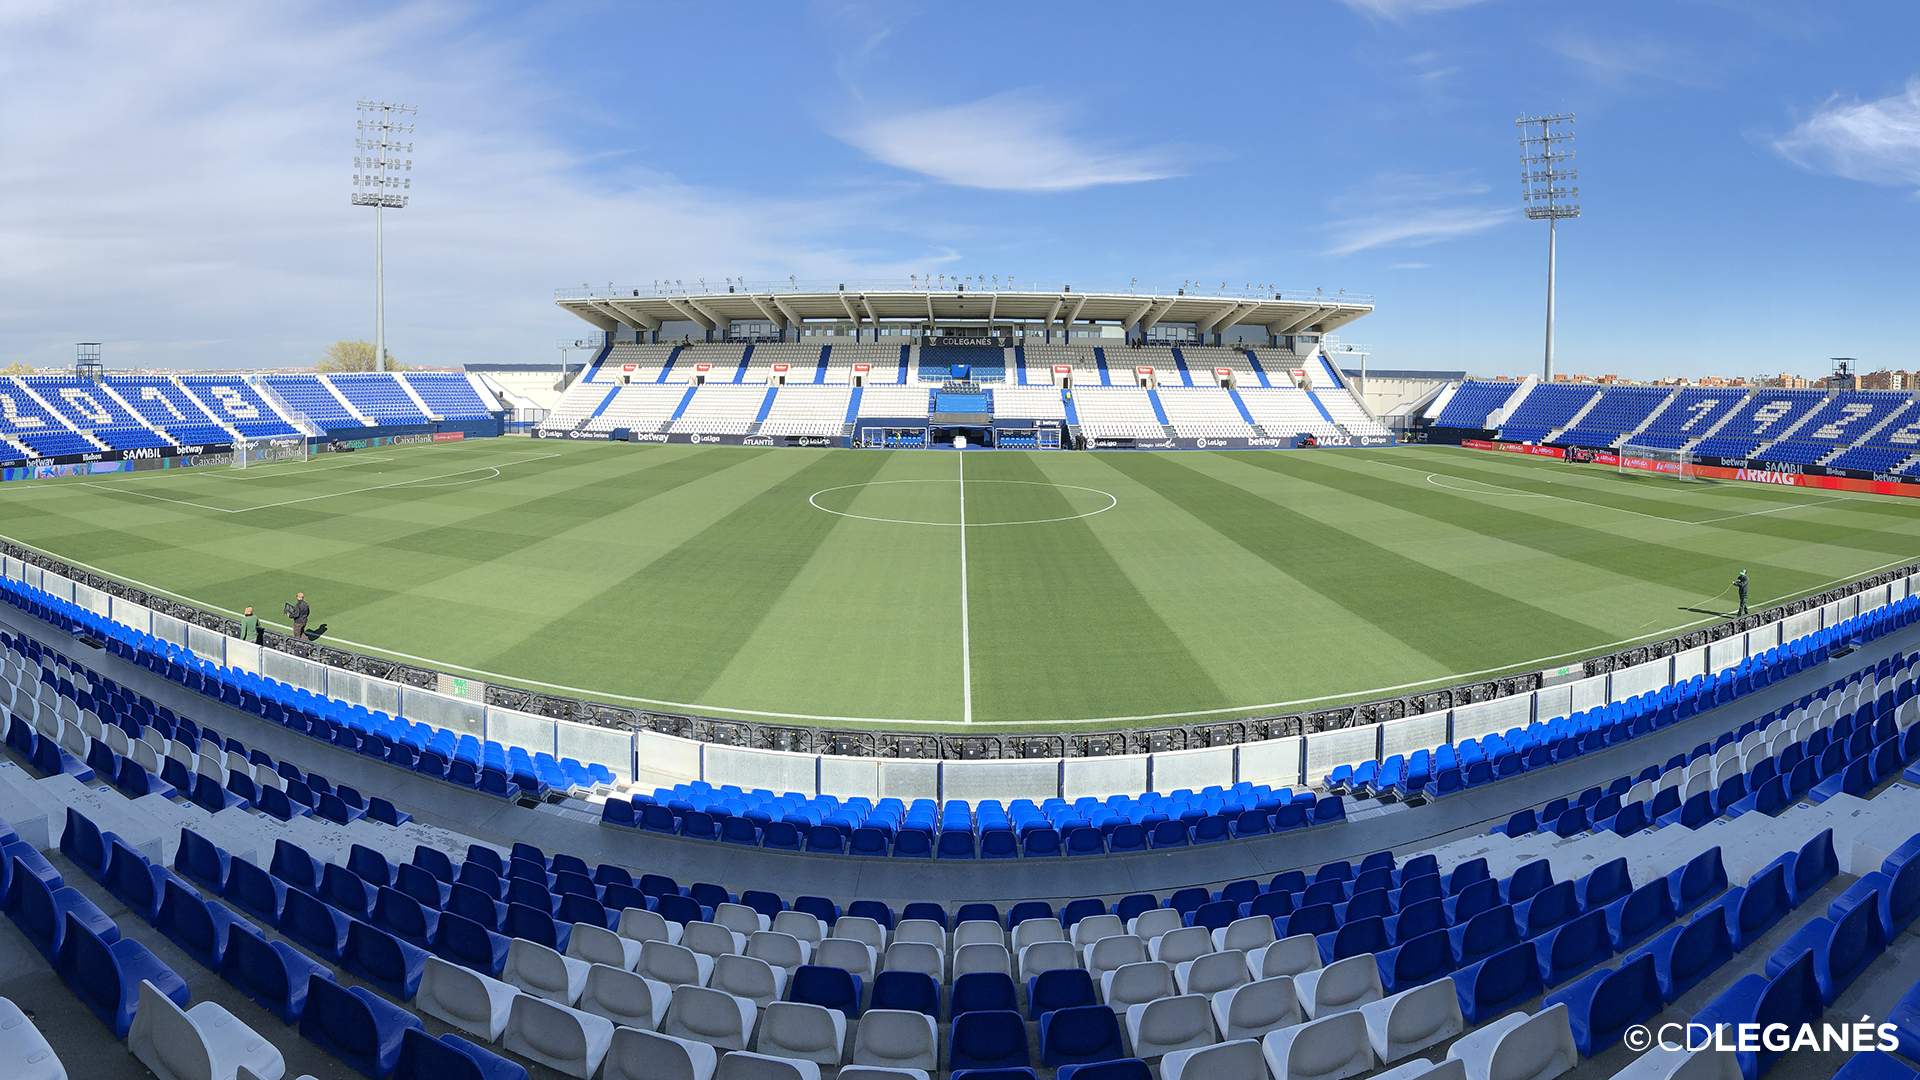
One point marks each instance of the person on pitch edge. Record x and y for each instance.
(298, 612)
(1741, 583)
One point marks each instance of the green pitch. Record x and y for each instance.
(1116, 588)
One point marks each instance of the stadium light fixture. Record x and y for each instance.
(379, 162)
(1547, 191)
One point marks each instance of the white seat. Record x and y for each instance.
(639, 924)
(1131, 984)
(268, 778)
(1519, 1047)
(847, 954)
(799, 924)
(599, 945)
(1212, 973)
(627, 999)
(1240, 1059)
(781, 950)
(464, 998)
(542, 972)
(712, 939)
(116, 740)
(1697, 784)
(1112, 953)
(897, 1039)
(1252, 1009)
(1047, 956)
(144, 756)
(675, 965)
(1182, 945)
(1245, 935)
(1151, 924)
(792, 1029)
(1422, 1069)
(205, 1042)
(1329, 1048)
(1412, 1020)
(749, 977)
(921, 930)
(1288, 956)
(714, 1017)
(881, 1072)
(74, 741)
(1035, 931)
(1341, 985)
(968, 959)
(568, 1040)
(1169, 1023)
(1680, 1064)
(646, 1055)
(745, 1066)
(917, 956)
(209, 764)
(24, 1052)
(861, 928)
(978, 932)
(1094, 927)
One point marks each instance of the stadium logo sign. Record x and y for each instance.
(1761, 476)
(1166, 445)
(649, 437)
(190, 451)
(1257, 441)
(93, 457)
(814, 440)
(703, 438)
(1375, 440)
(142, 453)
(1335, 440)
(757, 440)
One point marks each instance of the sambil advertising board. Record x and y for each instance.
(1753, 473)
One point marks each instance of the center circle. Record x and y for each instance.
(1111, 502)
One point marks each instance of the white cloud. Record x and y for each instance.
(1007, 142)
(1874, 141)
(1396, 10)
(1412, 228)
(188, 202)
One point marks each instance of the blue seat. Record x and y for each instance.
(1485, 934)
(1684, 955)
(255, 890)
(106, 975)
(1703, 878)
(1897, 895)
(828, 987)
(1642, 913)
(1061, 988)
(907, 991)
(419, 883)
(370, 866)
(1754, 909)
(1791, 998)
(1077, 1035)
(988, 1040)
(536, 926)
(1809, 868)
(1905, 1018)
(1574, 947)
(135, 882)
(343, 889)
(1316, 920)
(1473, 899)
(1421, 917)
(356, 1025)
(1841, 949)
(462, 941)
(1122, 1069)
(1367, 935)
(83, 843)
(1874, 1065)
(450, 1057)
(210, 795)
(293, 865)
(273, 974)
(313, 924)
(1492, 986)
(198, 859)
(1603, 1005)
(40, 908)
(1526, 881)
(1418, 961)
(1546, 909)
(1605, 884)
(199, 927)
(983, 991)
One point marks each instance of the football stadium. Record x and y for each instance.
(942, 679)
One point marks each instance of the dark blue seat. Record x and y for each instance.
(1492, 986)
(1809, 868)
(384, 960)
(1416, 919)
(462, 941)
(1062, 988)
(956, 843)
(1316, 920)
(1418, 961)
(133, 881)
(1841, 948)
(273, 974)
(1643, 912)
(1792, 998)
(536, 926)
(313, 924)
(1546, 909)
(450, 1057)
(988, 1040)
(343, 889)
(1703, 878)
(1485, 934)
(1131, 837)
(356, 1025)
(1367, 935)
(1121, 1069)
(83, 843)
(293, 865)
(41, 908)
(1605, 884)
(370, 866)
(106, 974)
(470, 903)
(199, 927)
(198, 859)
(1603, 1005)
(419, 883)
(828, 987)
(908, 991)
(983, 991)
(1077, 1035)
(1574, 947)
(1473, 899)
(210, 795)
(1526, 881)
(674, 907)
(255, 890)
(1684, 955)
(1897, 895)
(1754, 909)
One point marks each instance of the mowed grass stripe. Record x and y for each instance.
(677, 623)
(1376, 583)
(1059, 631)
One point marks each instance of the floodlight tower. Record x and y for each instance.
(377, 165)
(1546, 160)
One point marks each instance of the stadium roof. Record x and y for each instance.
(895, 303)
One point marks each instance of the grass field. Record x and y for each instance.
(840, 586)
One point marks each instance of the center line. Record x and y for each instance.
(966, 644)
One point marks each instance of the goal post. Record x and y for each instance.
(248, 453)
(1658, 460)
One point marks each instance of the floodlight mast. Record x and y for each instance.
(377, 166)
(1546, 191)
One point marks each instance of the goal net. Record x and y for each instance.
(250, 452)
(1660, 461)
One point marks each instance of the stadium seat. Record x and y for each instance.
(987, 1040)
(355, 1025)
(1601, 1006)
(564, 1039)
(1165, 1024)
(1252, 1009)
(205, 1042)
(107, 975)
(897, 1039)
(1517, 1045)
(1328, 1048)
(1412, 1020)
(274, 975)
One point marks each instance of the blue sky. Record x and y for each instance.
(177, 173)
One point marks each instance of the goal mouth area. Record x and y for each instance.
(1657, 461)
(248, 453)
